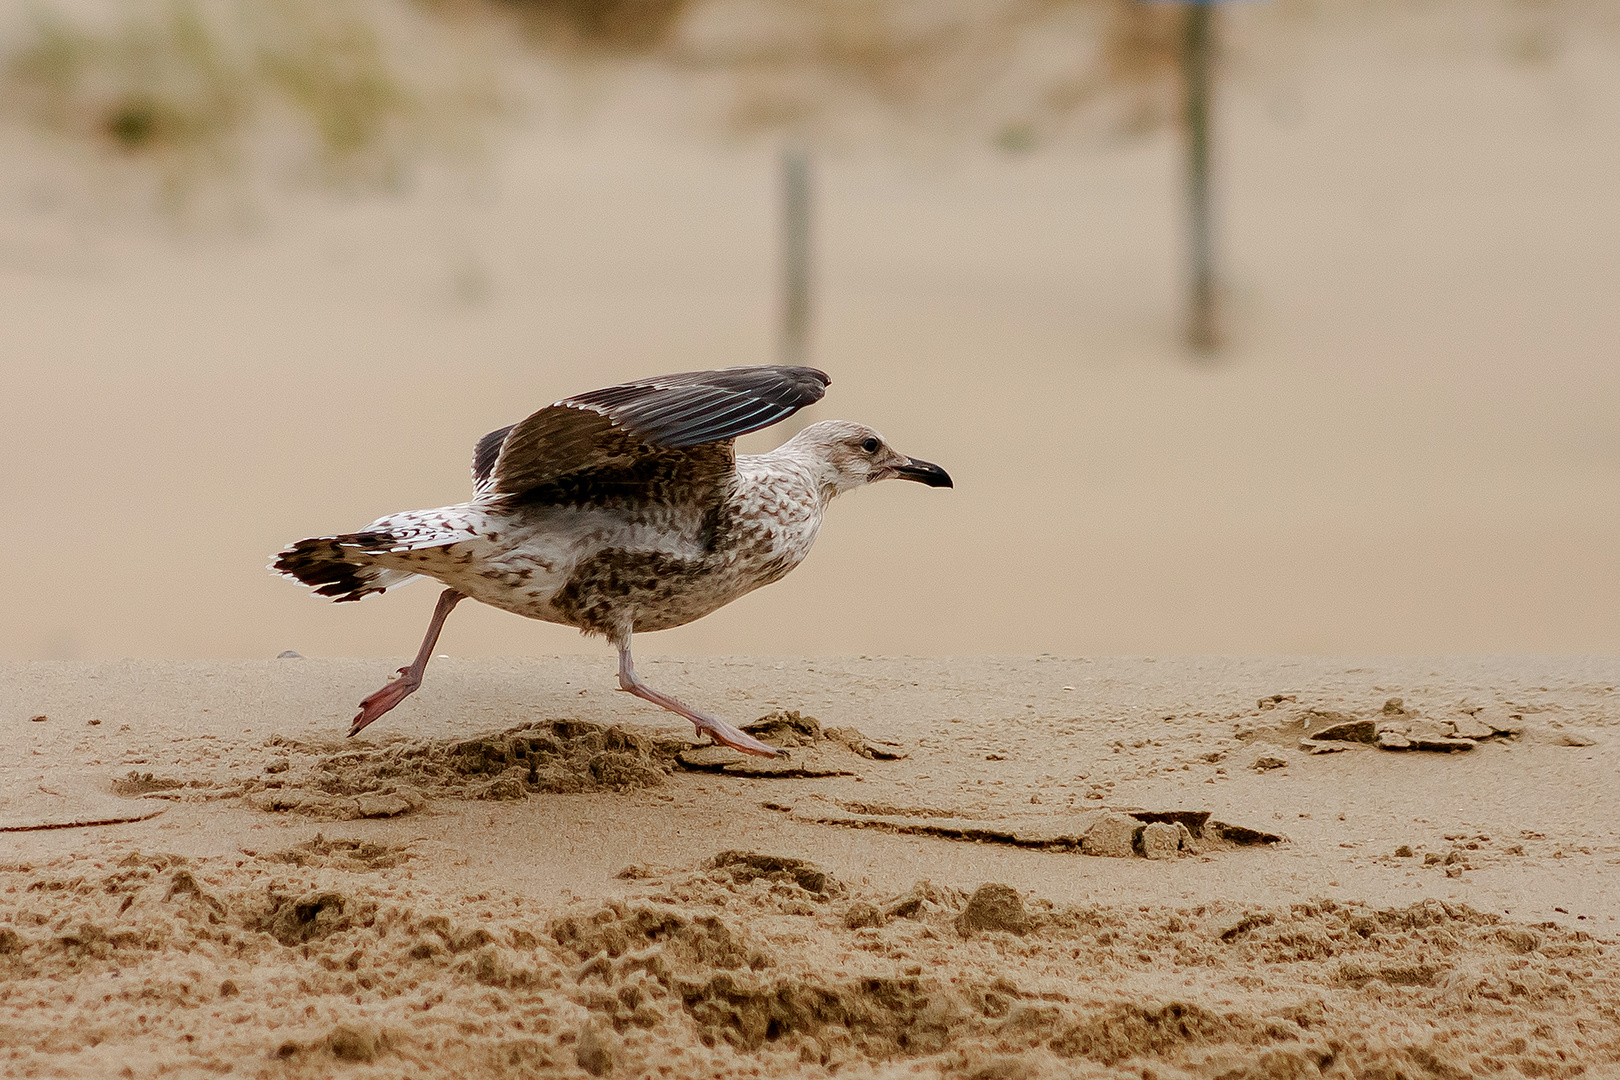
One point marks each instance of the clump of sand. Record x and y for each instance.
(558, 757)
(755, 963)
(339, 780)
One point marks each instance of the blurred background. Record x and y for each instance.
(268, 269)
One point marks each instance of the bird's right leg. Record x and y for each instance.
(409, 678)
(718, 730)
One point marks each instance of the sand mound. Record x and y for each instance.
(346, 781)
(758, 963)
(1394, 725)
(559, 756)
(813, 752)
(341, 854)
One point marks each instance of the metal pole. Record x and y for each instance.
(1198, 63)
(794, 347)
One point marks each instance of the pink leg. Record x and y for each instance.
(409, 678)
(720, 731)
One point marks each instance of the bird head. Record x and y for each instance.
(848, 456)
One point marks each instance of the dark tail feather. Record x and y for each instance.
(340, 566)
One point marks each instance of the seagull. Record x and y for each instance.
(621, 510)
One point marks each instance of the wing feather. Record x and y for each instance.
(484, 455)
(619, 427)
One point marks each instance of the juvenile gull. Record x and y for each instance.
(620, 510)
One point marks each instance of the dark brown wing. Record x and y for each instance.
(484, 455)
(644, 428)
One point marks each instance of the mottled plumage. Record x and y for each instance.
(621, 510)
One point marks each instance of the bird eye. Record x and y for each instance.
(870, 446)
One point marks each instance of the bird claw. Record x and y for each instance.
(392, 693)
(726, 735)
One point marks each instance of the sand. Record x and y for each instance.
(979, 867)
(1410, 447)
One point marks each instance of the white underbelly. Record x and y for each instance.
(589, 567)
(521, 567)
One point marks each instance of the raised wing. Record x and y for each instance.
(484, 455)
(623, 429)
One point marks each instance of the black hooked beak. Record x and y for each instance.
(924, 472)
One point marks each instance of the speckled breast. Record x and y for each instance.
(761, 532)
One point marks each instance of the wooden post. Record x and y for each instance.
(794, 345)
(1198, 63)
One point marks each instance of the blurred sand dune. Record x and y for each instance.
(1413, 445)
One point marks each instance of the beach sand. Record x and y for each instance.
(521, 872)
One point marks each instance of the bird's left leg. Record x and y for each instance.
(409, 678)
(720, 731)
